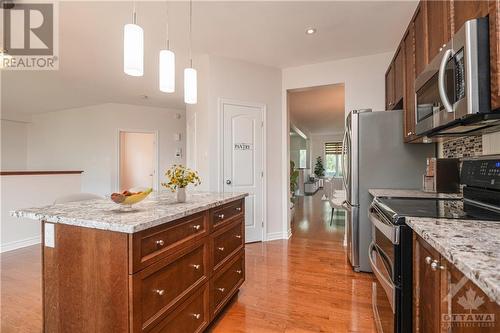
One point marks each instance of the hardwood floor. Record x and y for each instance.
(304, 284)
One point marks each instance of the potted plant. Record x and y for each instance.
(319, 170)
(294, 175)
(179, 177)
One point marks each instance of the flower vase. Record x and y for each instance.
(181, 194)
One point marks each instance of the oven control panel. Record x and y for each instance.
(481, 172)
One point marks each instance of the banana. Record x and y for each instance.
(130, 199)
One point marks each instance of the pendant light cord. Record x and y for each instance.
(168, 38)
(134, 14)
(190, 32)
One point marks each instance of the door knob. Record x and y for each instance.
(228, 182)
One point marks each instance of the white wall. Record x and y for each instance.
(87, 139)
(14, 145)
(233, 79)
(29, 191)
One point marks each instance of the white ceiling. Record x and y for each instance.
(318, 110)
(269, 33)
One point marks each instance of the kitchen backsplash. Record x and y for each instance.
(463, 147)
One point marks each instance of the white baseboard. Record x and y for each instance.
(6, 247)
(275, 236)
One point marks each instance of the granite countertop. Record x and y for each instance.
(400, 193)
(156, 209)
(472, 246)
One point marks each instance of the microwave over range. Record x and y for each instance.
(452, 94)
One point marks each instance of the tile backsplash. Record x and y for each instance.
(463, 147)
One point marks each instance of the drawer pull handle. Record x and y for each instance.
(160, 292)
(196, 315)
(160, 242)
(196, 227)
(238, 209)
(221, 289)
(220, 248)
(221, 216)
(196, 266)
(237, 236)
(428, 260)
(238, 271)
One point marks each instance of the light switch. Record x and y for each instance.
(177, 136)
(49, 235)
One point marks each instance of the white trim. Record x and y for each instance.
(14, 245)
(220, 148)
(277, 235)
(156, 160)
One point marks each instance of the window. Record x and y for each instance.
(333, 159)
(302, 158)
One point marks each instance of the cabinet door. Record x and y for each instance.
(389, 88)
(438, 26)
(409, 98)
(399, 75)
(466, 10)
(419, 23)
(426, 288)
(494, 19)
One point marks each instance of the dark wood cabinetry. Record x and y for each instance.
(175, 277)
(444, 299)
(431, 28)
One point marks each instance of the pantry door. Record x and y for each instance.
(243, 160)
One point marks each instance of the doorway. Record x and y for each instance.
(138, 156)
(243, 160)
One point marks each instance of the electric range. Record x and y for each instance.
(391, 249)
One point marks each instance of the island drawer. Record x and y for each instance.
(224, 214)
(153, 244)
(226, 242)
(192, 316)
(161, 287)
(225, 283)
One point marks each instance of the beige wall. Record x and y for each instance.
(491, 143)
(87, 139)
(14, 145)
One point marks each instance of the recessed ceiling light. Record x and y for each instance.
(310, 31)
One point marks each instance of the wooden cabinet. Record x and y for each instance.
(494, 23)
(438, 26)
(409, 85)
(389, 87)
(466, 10)
(444, 299)
(420, 38)
(175, 277)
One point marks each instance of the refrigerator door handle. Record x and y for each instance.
(344, 156)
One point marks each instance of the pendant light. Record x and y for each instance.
(167, 66)
(133, 48)
(190, 75)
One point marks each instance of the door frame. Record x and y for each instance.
(220, 120)
(156, 166)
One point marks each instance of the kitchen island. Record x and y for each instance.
(160, 267)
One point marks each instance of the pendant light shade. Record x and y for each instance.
(190, 86)
(133, 50)
(167, 71)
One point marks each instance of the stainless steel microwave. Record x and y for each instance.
(452, 94)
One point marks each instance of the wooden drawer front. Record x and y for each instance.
(226, 282)
(161, 287)
(226, 242)
(154, 244)
(192, 316)
(219, 216)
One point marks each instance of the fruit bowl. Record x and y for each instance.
(127, 198)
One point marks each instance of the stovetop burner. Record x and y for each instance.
(395, 208)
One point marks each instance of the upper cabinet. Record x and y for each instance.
(431, 28)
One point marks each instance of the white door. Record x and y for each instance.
(243, 168)
(137, 156)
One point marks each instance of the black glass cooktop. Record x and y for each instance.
(437, 208)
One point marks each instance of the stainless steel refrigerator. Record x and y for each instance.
(375, 156)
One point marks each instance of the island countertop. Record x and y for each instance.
(157, 209)
(473, 246)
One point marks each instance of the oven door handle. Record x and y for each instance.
(442, 90)
(388, 230)
(389, 287)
